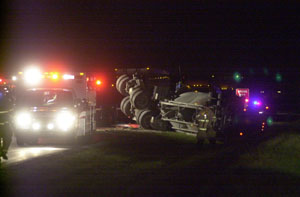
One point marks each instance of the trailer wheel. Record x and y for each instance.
(145, 119)
(119, 79)
(125, 106)
(122, 86)
(133, 91)
(137, 114)
(140, 100)
(122, 102)
(158, 124)
(125, 99)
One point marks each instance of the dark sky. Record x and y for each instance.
(193, 34)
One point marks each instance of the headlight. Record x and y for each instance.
(23, 120)
(32, 76)
(65, 120)
(36, 126)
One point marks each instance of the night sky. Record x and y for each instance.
(196, 35)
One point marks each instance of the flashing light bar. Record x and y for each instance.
(67, 77)
(54, 76)
(33, 76)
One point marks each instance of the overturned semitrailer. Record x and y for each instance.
(209, 115)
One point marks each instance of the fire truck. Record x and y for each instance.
(54, 104)
(207, 111)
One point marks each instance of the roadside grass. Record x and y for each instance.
(281, 153)
(137, 163)
(3, 182)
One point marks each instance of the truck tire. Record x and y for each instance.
(132, 91)
(122, 86)
(123, 101)
(144, 119)
(137, 114)
(158, 124)
(126, 106)
(119, 79)
(140, 100)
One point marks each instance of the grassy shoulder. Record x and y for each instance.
(281, 153)
(139, 163)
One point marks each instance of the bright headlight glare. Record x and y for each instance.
(65, 120)
(50, 126)
(23, 120)
(32, 76)
(36, 126)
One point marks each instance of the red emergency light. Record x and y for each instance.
(98, 82)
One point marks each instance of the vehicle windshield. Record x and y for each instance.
(46, 98)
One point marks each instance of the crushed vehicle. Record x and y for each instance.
(207, 111)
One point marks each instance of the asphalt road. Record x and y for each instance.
(18, 154)
(46, 146)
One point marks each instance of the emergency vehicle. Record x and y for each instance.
(53, 104)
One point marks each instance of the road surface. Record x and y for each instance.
(18, 154)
